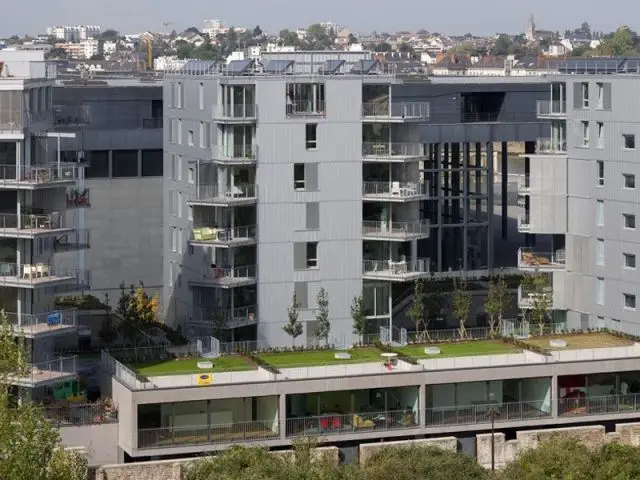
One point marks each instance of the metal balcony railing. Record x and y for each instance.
(230, 274)
(242, 111)
(77, 239)
(399, 190)
(395, 229)
(478, 414)
(208, 234)
(399, 110)
(235, 153)
(46, 371)
(32, 223)
(585, 406)
(528, 298)
(551, 108)
(390, 150)
(64, 115)
(213, 193)
(81, 414)
(56, 318)
(551, 146)
(529, 258)
(232, 318)
(306, 108)
(38, 273)
(38, 175)
(395, 268)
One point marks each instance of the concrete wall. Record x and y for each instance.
(445, 443)
(99, 441)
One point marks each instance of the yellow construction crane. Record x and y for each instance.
(147, 39)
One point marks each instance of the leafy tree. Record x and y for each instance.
(317, 38)
(138, 311)
(257, 32)
(382, 47)
(183, 49)
(538, 289)
(358, 316)
(110, 35)
(581, 51)
(108, 330)
(462, 300)
(289, 38)
(620, 44)
(56, 53)
(322, 316)
(352, 39)
(404, 47)
(293, 327)
(417, 308)
(501, 46)
(497, 301)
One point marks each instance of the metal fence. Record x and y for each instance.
(583, 406)
(81, 414)
(475, 414)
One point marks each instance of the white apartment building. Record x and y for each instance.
(71, 33)
(83, 50)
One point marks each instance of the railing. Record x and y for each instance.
(55, 318)
(404, 110)
(123, 373)
(478, 414)
(524, 223)
(52, 221)
(81, 414)
(471, 333)
(585, 406)
(35, 273)
(77, 239)
(247, 153)
(213, 193)
(243, 347)
(395, 268)
(50, 369)
(235, 112)
(386, 149)
(38, 175)
(398, 190)
(228, 274)
(152, 123)
(395, 229)
(551, 108)
(71, 115)
(550, 146)
(524, 184)
(338, 424)
(302, 108)
(222, 235)
(230, 317)
(527, 298)
(531, 258)
(208, 434)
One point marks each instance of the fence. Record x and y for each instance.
(476, 414)
(124, 374)
(584, 406)
(81, 414)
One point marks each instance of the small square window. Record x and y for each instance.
(629, 180)
(298, 176)
(629, 141)
(629, 221)
(312, 254)
(311, 136)
(629, 301)
(629, 261)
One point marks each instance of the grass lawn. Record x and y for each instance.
(320, 357)
(463, 349)
(183, 366)
(583, 340)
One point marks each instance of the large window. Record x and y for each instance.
(125, 163)
(152, 163)
(98, 164)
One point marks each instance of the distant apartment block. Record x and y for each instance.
(70, 33)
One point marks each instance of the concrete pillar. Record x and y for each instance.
(490, 181)
(555, 396)
(282, 416)
(466, 154)
(439, 205)
(505, 192)
(457, 254)
(422, 405)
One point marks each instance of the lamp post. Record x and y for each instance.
(493, 414)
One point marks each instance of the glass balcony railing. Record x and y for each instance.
(214, 194)
(551, 109)
(396, 110)
(208, 234)
(11, 223)
(242, 111)
(551, 146)
(391, 230)
(38, 175)
(477, 414)
(235, 153)
(392, 150)
(394, 190)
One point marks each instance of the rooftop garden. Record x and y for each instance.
(186, 366)
(316, 358)
(460, 349)
(576, 341)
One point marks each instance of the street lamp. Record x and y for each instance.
(493, 414)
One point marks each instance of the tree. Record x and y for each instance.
(501, 46)
(416, 310)
(581, 51)
(620, 44)
(497, 301)
(462, 299)
(257, 32)
(382, 47)
(323, 326)
(108, 331)
(352, 39)
(358, 316)
(56, 53)
(220, 320)
(138, 311)
(110, 35)
(289, 38)
(404, 47)
(537, 288)
(317, 38)
(293, 327)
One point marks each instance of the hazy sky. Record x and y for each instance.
(451, 16)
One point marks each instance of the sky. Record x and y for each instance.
(454, 17)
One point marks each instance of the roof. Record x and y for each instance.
(200, 67)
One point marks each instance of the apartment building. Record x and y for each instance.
(74, 33)
(313, 170)
(118, 127)
(579, 192)
(35, 226)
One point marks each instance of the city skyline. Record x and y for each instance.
(150, 15)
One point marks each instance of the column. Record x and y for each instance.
(466, 154)
(456, 255)
(554, 396)
(529, 148)
(439, 205)
(505, 183)
(489, 160)
(282, 415)
(422, 405)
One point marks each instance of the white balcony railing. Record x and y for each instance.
(395, 269)
(242, 111)
(551, 146)
(235, 153)
(528, 298)
(306, 108)
(528, 258)
(38, 175)
(393, 230)
(214, 194)
(394, 190)
(551, 108)
(207, 234)
(399, 110)
(392, 150)
(15, 274)
(230, 275)
(33, 323)
(10, 222)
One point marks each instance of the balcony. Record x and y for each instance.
(47, 373)
(524, 223)
(529, 259)
(223, 197)
(603, 405)
(524, 185)
(478, 414)
(71, 116)
(35, 177)
(241, 113)
(37, 275)
(394, 191)
(527, 299)
(395, 270)
(78, 239)
(235, 154)
(395, 231)
(392, 152)
(43, 324)
(30, 226)
(152, 123)
(551, 109)
(548, 146)
(224, 237)
(306, 108)
(238, 317)
(396, 112)
(227, 277)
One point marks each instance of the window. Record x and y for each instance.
(600, 291)
(190, 213)
(312, 254)
(600, 135)
(172, 101)
(205, 140)
(600, 173)
(152, 163)
(170, 274)
(180, 95)
(311, 136)
(191, 175)
(179, 245)
(312, 215)
(629, 301)
(190, 138)
(629, 221)
(174, 166)
(600, 252)
(584, 89)
(600, 213)
(179, 168)
(179, 128)
(298, 176)
(98, 166)
(301, 291)
(629, 261)
(179, 202)
(629, 180)
(174, 239)
(201, 96)
(125, 163)
(171, 132)
(629, 141)
(600, 95)
(585, 134)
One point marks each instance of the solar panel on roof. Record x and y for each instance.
(238, 67)
(364, 66)
(199, 67)
(331, 67)
(278, 66)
